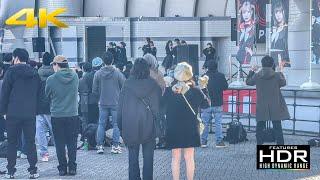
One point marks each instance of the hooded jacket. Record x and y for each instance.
(85, 91)
(20, 89)
(44, 104)
(271, 105)
(134, 119)
(62, 90)
(107, 83)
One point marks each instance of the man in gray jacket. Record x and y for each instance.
(107, 84)
(271, 105)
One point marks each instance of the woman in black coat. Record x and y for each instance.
(138, 105)
(182, 124)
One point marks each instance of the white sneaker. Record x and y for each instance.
(45, 158)
(23, 156)
(100, 149)
(34, 176)
(18, 154)
(119, 149)
(116, 150)
(9, 176)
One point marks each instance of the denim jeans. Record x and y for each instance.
(22, 143)
(206, 115)
(104, 113)
(43, 125)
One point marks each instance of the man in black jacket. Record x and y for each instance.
(19, 102)
(88, 100)
(216, 85)
(43, 119)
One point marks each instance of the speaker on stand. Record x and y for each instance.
(189, 54)
(38, 44)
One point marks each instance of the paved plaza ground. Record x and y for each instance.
(236, 162)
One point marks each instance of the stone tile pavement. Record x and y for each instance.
(236, 162)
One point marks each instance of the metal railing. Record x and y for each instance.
(237, 115)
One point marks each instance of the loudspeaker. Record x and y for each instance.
(189, 54)
(234, 28)
(38, 44)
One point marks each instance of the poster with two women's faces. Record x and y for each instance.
(250, 16)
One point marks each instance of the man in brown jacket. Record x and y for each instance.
(271, 105)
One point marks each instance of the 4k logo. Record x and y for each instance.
(30, 21)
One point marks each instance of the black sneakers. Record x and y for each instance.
(62, 173)
(72, 172)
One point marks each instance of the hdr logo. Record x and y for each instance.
(283, 157)
(30, 20)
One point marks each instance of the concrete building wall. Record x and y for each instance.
(105, 8)
(213, 7)
(147, 8)
(184, 8)
(74, 7)
(299, 43)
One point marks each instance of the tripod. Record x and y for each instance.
(241, 71)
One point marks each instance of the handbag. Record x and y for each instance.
(200, 122)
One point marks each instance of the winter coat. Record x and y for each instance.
(44, 103)
(270, 102)
(20, 92)
(107, 84)
(62, 90)
(134, 119)
(216, 85)
(182, 124)
(85, 91)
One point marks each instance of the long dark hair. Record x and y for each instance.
(279, 7)
(141, 69)
(167, 45)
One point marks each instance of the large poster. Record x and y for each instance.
(261, 21)
(246, 30)
(279, 32)
(315, 32)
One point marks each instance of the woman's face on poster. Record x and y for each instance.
(279, 16)
(246, 14)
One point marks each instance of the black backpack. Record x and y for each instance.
(3, 149)
(89, 133)
(236, 133)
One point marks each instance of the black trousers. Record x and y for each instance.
(147, 152)
(2, 128)
(277, 130)
(65, 131)
(14, 128)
